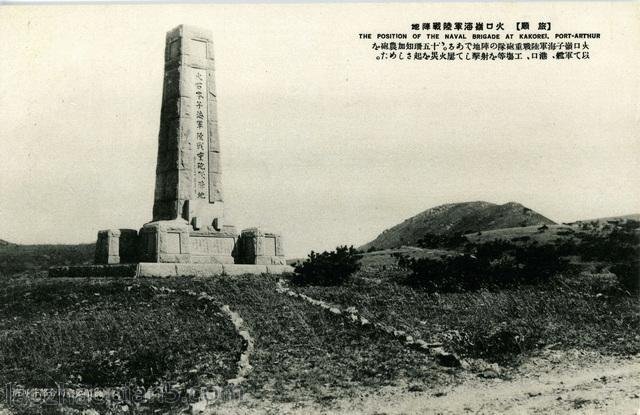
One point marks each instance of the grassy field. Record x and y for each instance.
(501, 326)
(111, 333)
(30, 258)
(107, 333)
(303, 352)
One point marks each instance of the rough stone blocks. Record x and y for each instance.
(175, 241)
(261, 248)
(165, 241)
(213, 247)
(188, 169)
(115, 246)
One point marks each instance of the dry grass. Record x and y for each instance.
(496, 325)
(83, 333)
(101, 333)
(303, 352)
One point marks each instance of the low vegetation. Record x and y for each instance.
(497, 325)
(328, 267)
(501, 300)
(31, 258)
(136, 333)
(492, 265)
(108, 333)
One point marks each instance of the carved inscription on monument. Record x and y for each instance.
(203, 245)
(201, 153)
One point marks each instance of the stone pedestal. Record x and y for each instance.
(164, 270)
(261, 248)
(165, 241)
(116, 246)
(213, 247)
(176, 242)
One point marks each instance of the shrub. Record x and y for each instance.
(539, 263)
(328, 268)
(449, 274)
(620, 245)
(497, 264)
(506, 340)
(431, 240)
(628, 275)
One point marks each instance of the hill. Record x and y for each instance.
(15, 258)
(610, 219)
(457, 219)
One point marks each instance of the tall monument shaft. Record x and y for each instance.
(187, 235)
(188, 172)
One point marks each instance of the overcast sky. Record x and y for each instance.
(319, 141)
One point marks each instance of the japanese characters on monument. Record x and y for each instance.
(201, 179)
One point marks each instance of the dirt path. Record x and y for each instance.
(611, 387)
(557, 382)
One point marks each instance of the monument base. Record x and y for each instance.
(162, 270)
(176, 242)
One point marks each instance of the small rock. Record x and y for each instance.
(445, 359)
(199, 407)
(488, 374)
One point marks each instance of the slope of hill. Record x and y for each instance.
(16, 258)
(457, 219)
(610, 219)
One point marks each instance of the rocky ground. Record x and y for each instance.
(553, 382)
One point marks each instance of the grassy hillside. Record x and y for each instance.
(500, 325)
(618, 219)
(553, 234)
(456, 219)
(526, 234)
(387, 257)
(107, 333)
(16, 258)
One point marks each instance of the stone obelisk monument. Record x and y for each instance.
(188, 234)
(188, 172)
